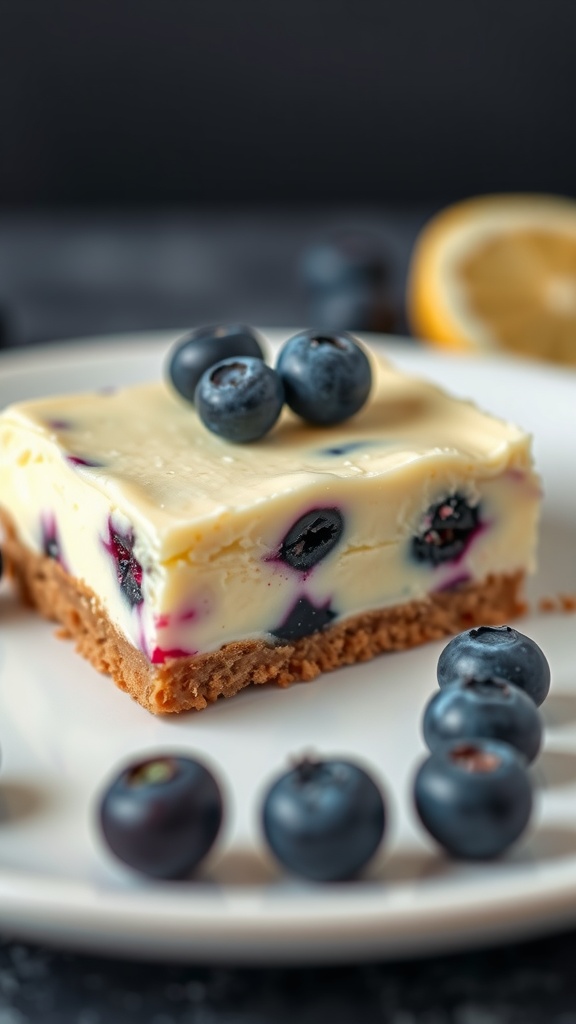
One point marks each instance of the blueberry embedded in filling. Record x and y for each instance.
(50, 539)
(303, 619)
(59, 424)
(446, 531)
(128, 569)
(346, 448)
(311, 538)
(79, 460)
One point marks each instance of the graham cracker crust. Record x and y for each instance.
(184, 684)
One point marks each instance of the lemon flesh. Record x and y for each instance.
(498, 272)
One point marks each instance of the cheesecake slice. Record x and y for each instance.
(187, 567)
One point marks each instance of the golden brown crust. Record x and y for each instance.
(192, 683)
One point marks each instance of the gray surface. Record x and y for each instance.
(524, 984)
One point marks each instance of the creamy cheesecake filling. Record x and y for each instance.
(190, 541)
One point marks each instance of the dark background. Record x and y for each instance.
(166, 163)
(253, 101)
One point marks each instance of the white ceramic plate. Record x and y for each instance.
(64, 729)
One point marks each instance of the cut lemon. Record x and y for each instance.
(498, 272)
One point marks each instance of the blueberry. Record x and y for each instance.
(351, 258)
(303, 619)
(311, 538)
(197, 351)
(324, 819)
(483, 709)
(474, 797)
(51, 548)
(239, 399)
(496, 651)
(79, 460)
(327, 377)
(128, 569)
(346, 448)
(354, 307)
(161, 816)
(446, 530)
(50, 540)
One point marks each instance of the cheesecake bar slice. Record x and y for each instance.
(187, 567)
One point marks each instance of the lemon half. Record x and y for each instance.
(498, 272)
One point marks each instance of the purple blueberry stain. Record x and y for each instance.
(160, 655)
(188, 615)
(120, 546)
(58, 424)
(157, 654)
(446, 531)
(303, 619)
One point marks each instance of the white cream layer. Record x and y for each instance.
(208, 517)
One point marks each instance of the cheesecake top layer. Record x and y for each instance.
(145, 446)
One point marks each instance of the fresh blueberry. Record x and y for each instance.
(197, 351)
(303, 619)
(239, 399)
(311, 538)
(446, 530)
(161, 816)
(327, 377)
(489, 709)
(496, 651)
(128, 569)
(324, 819)
(474, 797)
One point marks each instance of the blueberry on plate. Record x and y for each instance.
(496, 651)
(324, 820)
(239, 399)
(483, 709)
(161, 815)
(326, 377)
(197, 351)
(474, 797)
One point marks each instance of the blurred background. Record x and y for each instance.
(165, 164)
